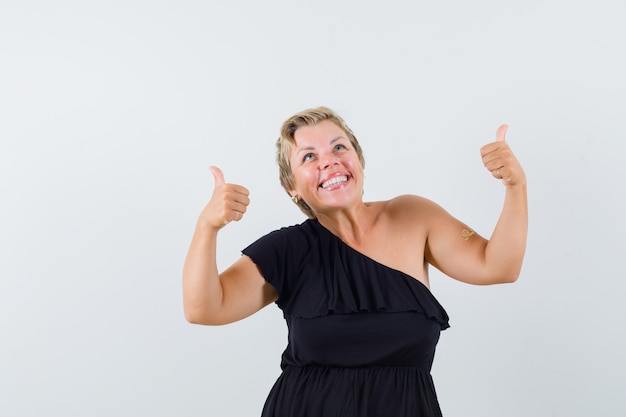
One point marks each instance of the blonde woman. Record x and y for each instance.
(352, 279)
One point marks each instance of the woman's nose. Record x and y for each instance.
(327, 161)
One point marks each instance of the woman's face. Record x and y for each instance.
(326, 169)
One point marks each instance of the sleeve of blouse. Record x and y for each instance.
(278, 256)
(265, 254)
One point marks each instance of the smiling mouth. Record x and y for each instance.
(340, 179)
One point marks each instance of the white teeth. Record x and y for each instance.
(334, 181)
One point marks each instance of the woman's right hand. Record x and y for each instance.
(229, 202)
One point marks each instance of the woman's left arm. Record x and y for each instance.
(505, 250)
(460, 253)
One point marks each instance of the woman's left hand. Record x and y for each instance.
(500, 161)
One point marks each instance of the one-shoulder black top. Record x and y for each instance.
(361, 335)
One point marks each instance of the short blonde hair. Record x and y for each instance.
(286, 141)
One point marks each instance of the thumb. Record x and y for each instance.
(218, 175)
(501, 133)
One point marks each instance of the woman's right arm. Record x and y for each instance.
(209, 297)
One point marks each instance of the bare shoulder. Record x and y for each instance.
(409, 205)
(414, 213)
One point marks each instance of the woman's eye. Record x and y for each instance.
(307, 157)
(340, 147)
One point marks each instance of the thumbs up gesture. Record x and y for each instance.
(500, 161)
(229, 202)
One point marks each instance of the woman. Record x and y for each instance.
(352, 280)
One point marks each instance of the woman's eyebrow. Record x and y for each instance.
(312, 148)
(336, 139)
(306, 148)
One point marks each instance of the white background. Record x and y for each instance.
(111, 112)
